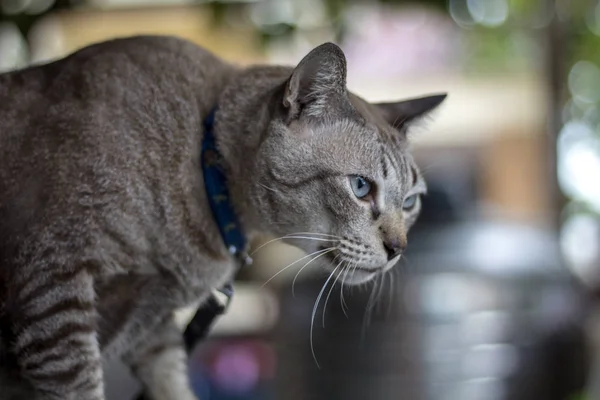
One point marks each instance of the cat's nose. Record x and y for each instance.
(394, 247)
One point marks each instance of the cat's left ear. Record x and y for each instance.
(317, 85)
(402, 112)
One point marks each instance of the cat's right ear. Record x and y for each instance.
(318, 83)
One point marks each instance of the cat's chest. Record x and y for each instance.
(177, 256)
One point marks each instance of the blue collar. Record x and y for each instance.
(218, 196)
(231, 232)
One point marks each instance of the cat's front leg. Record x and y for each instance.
(55, 341)
(160, 363)
(133, 307)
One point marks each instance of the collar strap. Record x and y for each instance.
(229, 227)
(217, 193)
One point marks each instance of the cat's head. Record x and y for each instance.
(334, 172)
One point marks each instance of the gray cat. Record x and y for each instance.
(105, 228)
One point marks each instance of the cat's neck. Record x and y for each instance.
(244, 114)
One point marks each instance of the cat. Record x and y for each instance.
(105, 228)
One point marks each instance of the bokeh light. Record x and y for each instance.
(580, 242)
(488, 12)
(584, 82)
(579, 162)
(14, 51)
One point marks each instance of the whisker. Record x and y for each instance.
(425, 169)
(329, 294)
(317, 234)
(342, 300)
(391, 294)
(312, 319)
(291, 236)
(295, 262)
(380, 293)
(266, 244)
(374, 292)
(368, 311)
(407, 264)
(305, 265)
(354, 270)
(311, 238)
(268, 188)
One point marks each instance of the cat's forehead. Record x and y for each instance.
(352, 139)
(357, 142)
(360, 147)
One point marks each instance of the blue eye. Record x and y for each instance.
(360, 186)
(409, 202)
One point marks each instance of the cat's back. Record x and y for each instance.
(105, 75)
(88, 128)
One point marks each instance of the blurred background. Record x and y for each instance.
(498, 296)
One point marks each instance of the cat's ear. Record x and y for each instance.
(402, 112)
(318, 83)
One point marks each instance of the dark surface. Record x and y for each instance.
(439, 346)
(478, 310)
